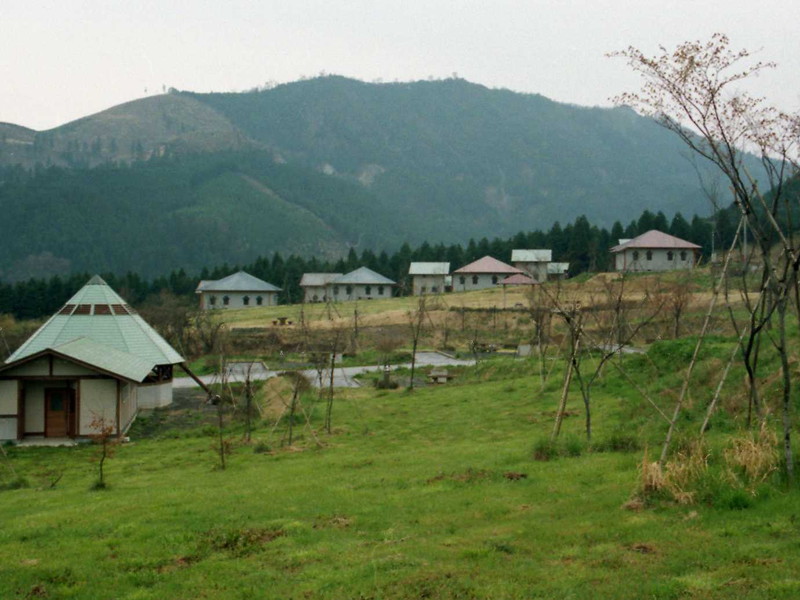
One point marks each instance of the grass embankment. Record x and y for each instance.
(431, 494)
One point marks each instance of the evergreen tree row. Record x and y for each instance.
(584, 246)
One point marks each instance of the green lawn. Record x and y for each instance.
(416, 495)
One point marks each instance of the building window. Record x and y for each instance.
(635, 255)
(462, 280)
(315, 298)
(683, 254)
(649, 255)
(474, 280)
(434, 289)
(368, 290)
(212, 300)
(246, 300)
(380, 290)
(669, 255)
(336, 290)
(259, 300)
(226, 301)
(348, 290)
(494, 279)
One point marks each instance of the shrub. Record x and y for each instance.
(545, 449)
(619, 441)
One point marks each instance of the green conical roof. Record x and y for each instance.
(98, 313)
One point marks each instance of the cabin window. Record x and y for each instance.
(434, 289)
(336, 290)
(226, 301)
(315, 298)
(635, 255)
(212, 300)
(423, 289)
(259, 300)
(246, 300)
(649, 255)
(474, 280)
(462, 280)
(669, 255)
(348, 290)
(494, 279)
(380, 290)
(368, 290)
(683, 254)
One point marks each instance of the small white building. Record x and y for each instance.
(240, 290)
(90, 367)
(361, 284)
(557, 270)
(428, 277)
(315, 286)
(533, 262)
(484, 273)
(655, 251)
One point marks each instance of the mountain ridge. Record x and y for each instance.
(351, 164)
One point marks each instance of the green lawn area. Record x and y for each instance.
(430, 494)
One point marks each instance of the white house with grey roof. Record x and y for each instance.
(361, 284)
(428, 277)
(655, 251)
(534, 262)
(240, 290)
(315, 286)
(92, 365)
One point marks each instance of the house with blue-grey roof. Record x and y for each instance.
(240, 290)
(361, 284)
(91, 366)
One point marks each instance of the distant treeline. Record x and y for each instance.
(583, 246)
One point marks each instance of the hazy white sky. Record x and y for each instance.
(64, 59)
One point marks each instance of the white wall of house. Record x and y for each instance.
(315, 293)
(98, 399)
(129, 406)
(155, 395)
(8, 409)
(340, 292)
(537, 270)
(34, 403)
(209, 300)
(428, 284)
(465, 283)
(638, 259)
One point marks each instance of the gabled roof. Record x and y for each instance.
(317, 279)
(97, 357)
(487, 264)
(540, 255)
(558, 268)
(655, 239)
(518, 279)
(97, 312)
(363, 276)
(238, 282)
(429, 268)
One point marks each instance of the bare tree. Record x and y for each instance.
(416, 322)
(694, 91)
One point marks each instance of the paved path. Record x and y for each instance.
(342, 376)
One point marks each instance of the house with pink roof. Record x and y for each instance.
(655, 251)
(484, 273)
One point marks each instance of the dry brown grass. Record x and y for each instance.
(752, 458)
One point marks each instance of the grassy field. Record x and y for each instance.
(430, 494)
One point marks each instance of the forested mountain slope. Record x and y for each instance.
(317, 166)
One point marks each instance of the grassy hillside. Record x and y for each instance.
(431, 494)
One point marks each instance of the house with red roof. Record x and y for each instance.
(484, 273)
(655, 251)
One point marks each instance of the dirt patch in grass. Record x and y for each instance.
(238, 542)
